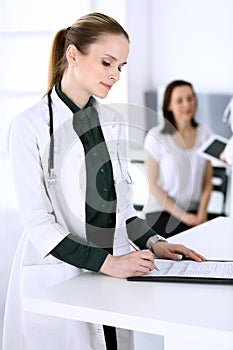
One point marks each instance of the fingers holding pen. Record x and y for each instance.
(139, 263)
(142, 261)
(136, 263)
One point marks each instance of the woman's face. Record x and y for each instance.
(96, 72)
(182, 103)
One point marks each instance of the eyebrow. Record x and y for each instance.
(114, 59)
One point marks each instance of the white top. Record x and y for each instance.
(181, 170)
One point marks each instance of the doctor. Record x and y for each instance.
(72, 185)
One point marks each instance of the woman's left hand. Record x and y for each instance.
(201, 217)
(172, 251)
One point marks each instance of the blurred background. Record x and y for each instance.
(182, 39)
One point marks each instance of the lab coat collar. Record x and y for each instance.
(107, 115)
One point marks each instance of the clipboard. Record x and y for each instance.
(177, 279)
(189, 271)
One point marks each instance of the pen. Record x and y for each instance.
(137, 249)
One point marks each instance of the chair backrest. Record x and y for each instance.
(219, 180)
(140, 184)
(220, 174)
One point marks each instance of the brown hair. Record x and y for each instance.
(84, 32)
(170, 124)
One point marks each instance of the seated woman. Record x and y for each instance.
(180, 181)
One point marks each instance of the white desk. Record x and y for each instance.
(198, 314)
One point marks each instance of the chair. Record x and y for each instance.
(217, 203)
(140, 183)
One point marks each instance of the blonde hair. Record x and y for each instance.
(85, 31)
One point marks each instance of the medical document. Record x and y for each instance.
(190, 268)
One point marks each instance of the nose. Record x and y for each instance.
(187, 103)
(114, 75)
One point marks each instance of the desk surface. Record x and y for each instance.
(199, 312)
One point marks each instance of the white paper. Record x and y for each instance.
(189, 268)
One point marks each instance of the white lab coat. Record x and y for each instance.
(51, 212)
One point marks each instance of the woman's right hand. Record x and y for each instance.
(132, 264)
(222, 157)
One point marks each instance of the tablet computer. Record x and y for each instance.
(212, 148)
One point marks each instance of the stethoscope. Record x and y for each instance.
(52, 177)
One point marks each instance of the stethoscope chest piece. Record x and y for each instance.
(52, 178)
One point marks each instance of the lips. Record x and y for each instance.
(106, 86)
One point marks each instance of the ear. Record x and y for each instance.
(71, 55)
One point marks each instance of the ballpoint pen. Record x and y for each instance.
(137, 249)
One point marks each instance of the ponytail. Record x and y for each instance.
(57, 62)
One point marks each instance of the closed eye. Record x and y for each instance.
(106, 64)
